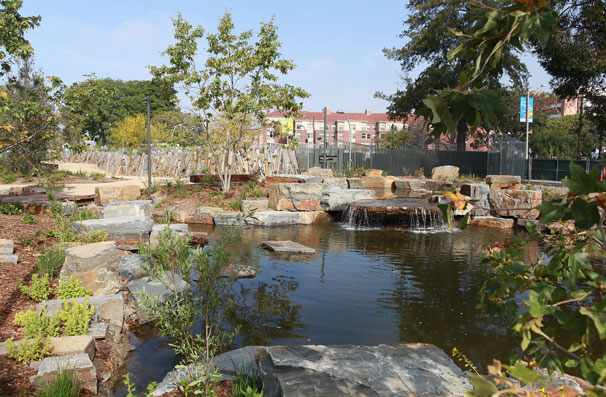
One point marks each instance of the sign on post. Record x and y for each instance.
(526, 109)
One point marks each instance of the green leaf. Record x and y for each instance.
(464, 222)
(524, 374)
(482, 387)
(585, 214)
(598, 316)
(551, 212)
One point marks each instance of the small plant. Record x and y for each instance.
(420, 173)
(131, 391)
(50, 261)
(9, 209)
(71, 288)
(259, 193)
(97, 176)
(233, 205)
(247, 383)
(28, 219)
(405, 171)
(64, 385)
(462, 358)
(81, 174)
(76, 317)
(39, 290)
(94, 236)
(38, 324)
(85, 214)
(27, 352)
(8, 178)
(167, 217)
(30, 240)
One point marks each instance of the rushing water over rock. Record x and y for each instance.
(407, 213)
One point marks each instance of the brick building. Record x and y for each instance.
(309, 129)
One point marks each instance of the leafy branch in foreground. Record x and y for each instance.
(557, 303)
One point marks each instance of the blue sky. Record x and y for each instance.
(336, 45)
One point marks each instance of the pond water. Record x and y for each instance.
(363, 287)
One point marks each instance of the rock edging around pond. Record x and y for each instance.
(316, 370)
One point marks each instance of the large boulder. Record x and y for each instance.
(520, 204)
(499, 182)
(80, 363)
(96, 265)
(479, 193)
(106, 194)
(295, 197)
(373, 172)
(337, 200)
(118, 209)
(319, 172)
(261, 218)
(355, 183)
(436, 186)
(445, 173)
(108, 308)
(314, 217)
(414, 369)
(409, 184)
(127, 231)
(131, 266)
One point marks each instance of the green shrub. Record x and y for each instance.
(38, 324)
(234, 204)
(39, 290)
(97, 176)
(8, 178)
(64, 385)
(71, 288)
(28, 219)
(76, 317)
(30, 240)
(94, 236)
(85, 214)
(27, 352)
(50, 261)
(259, 193)
(9, 209)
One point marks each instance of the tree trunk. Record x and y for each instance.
(462, 135)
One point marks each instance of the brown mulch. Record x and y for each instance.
(38, 181)
(14, 377)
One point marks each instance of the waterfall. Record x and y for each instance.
(401, 214)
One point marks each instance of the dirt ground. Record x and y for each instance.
(29, 241)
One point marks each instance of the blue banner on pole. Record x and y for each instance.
(526, 109)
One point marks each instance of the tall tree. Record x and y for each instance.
(428, 30)
(575, 56)
(13, 27)
(94, 105)
(232, 91)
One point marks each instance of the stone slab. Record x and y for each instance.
(239, 271)
(384, 370)
(179, 229)
(295, 197)
(9, 259)
(120, 209)
(478, 192)
(409, 184)
(130, 266)
(127, 231)
(63, 345)
(106, 194)
(80, 363)
(154, 288)
(355, 183)
(319, 172)
(7, 247)
(338, 199)
(501, 182)
(492, 222)
(287, 246)
(98, 330)
(518, 204)
(261, 218)
(334, 183)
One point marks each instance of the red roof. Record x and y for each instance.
(334, 117)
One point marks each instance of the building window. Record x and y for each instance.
(340, 136)
(382, 127)
(299, 126)
(353, 127)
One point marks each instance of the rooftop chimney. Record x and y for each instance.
(367, 112)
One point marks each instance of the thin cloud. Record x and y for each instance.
(76, 55)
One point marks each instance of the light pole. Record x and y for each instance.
(149, 178)
(324, 139)
(349, 124)
(528, 127)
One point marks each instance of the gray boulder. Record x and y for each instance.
(479, 192)
(131, 268)
(158, 289)
(261, 218)
(82, 366)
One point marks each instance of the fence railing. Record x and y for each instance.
(558, 169)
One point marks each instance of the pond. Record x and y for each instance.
(366, 287)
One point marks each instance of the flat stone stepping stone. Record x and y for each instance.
(288, 247)
(7, 247)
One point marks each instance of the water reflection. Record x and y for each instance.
(366, 287)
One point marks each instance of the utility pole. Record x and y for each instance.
(149, 178)
(324, 139)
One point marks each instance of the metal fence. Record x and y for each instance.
(558, 169)
(505, 156)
